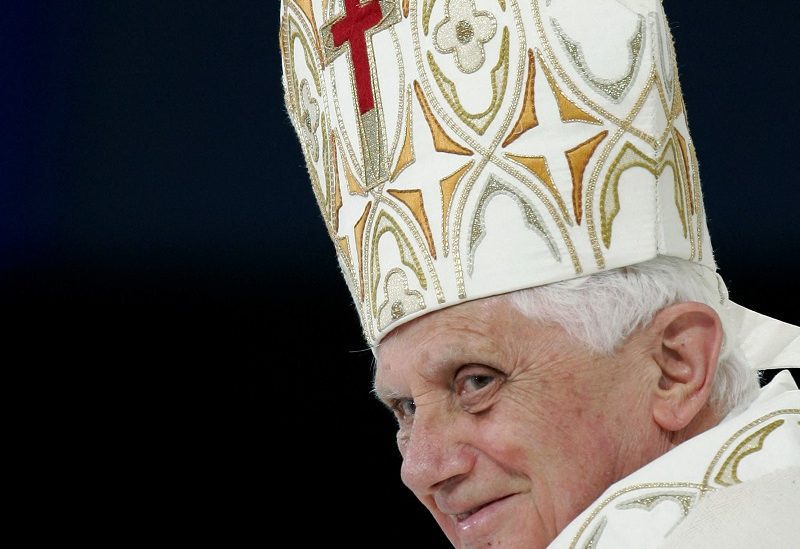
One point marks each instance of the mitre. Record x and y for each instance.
(460, 149)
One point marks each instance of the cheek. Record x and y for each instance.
(549, 442)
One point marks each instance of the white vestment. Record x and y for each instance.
(733, 484)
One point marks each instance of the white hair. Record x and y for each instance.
(601, 310)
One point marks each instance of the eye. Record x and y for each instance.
(404, 408)
(476, 385)
(476, 382)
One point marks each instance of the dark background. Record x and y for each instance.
(168, 282)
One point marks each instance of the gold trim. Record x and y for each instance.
(631, 157)
(359, 237)
(644, 486)
(531, 216)
(441, 141)
(615, 90)
(538, 166)
(728, 474)
(427, 8)
(739, 433)
(688, 172)
(337, 198)
(308, 11)
(448, 188)
(478, 122)
(567, 109)
(590, 191)
(527, 116)
(624, 124)
(385, 223)
(354, 188)
(578, 158)
(414, 202)
(406, 157)
(344, 246)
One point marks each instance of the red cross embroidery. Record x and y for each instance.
(353, 27)
(353, 30)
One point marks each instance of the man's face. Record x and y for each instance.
(508, 428)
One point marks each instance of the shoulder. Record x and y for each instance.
(759, 513)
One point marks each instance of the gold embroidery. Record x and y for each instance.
(479, 122)
(403, 91)
(628, 489)
(463, 32)
(624, 124)
(327, 169)
(406, 157)
(353, 186)
(405, 8)
(427, 8)
(601, 162)
(366, 92)
(668, 66)
(448, 188)
(728, 474)
(309, 120)
(308, 11)
(441, 141)
(502, 4)
(293, 32)
(532, 219)
(595, 537)
(487, 155)
(414, 202)
(408, 224)
(344, 246)
(648, 503)
(569, 111)
(337, 205)
(685, 158)
(384, 224)
(359, 234)
(739, 433)
(373, 149)
(613, 89)
(631, 157)
(578, 158)
(538, 166)
(527, 117)
(698, 193)
(400, 300)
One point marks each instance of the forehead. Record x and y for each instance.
(462, 322)
(474, 331)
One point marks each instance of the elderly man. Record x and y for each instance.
(514, 198)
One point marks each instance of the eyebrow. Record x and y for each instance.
(386, 397)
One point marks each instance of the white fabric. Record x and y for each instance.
(727, 519)
(644, 509)
(767, 343)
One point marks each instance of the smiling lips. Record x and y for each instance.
(461, 517)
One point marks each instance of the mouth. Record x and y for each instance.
(462, 517)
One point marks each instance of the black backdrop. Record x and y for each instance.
(167, 281)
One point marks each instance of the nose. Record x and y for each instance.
(434, 453)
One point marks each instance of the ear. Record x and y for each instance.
(686, 349)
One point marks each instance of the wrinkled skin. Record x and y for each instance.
(508, 428)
